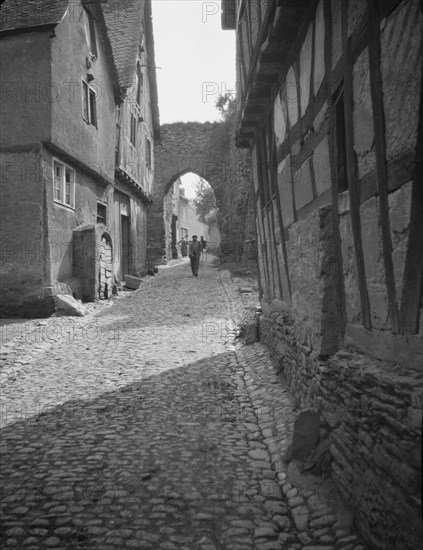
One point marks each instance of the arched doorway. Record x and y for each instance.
(206, 150)
(189, 208)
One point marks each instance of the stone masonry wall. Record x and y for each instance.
(206, 149)
(371, 411)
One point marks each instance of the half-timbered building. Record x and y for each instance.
(330, 106)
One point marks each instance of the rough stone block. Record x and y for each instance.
(300, 515)
(132, 282)
(67, 305)
(306, 434)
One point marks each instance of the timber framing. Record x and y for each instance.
(265, 57)
(413, 272)
(381, 168)
(352, 176)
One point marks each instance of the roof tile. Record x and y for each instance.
(20, 14)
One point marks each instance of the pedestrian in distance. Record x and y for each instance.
(194, 255)
(183, 247)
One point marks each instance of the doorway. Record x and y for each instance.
(106, 268)
(124, 232)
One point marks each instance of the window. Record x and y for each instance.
(57, 182)
(118, 113)
(148, 152)
(341, 148)
(89, 104)
(133, 129)
(64, 184)
(93, 43)
(140, 83)
(101, 213)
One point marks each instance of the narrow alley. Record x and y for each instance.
(145, 425)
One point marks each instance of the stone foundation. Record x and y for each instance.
(371, 411)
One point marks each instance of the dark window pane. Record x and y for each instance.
(93, 111)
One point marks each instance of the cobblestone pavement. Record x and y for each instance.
(144, 425)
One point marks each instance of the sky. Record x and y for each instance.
(197, 63)
(197, 59)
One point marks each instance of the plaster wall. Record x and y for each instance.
(91, 145)
(24, 234)
(27, 92)
(305, 61)
(401, 40)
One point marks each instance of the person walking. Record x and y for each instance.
(194, 255)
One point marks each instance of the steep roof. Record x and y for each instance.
(124, 20)
(22, 14)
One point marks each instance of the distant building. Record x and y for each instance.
(181, 221)
(330, 107)
(78, 127)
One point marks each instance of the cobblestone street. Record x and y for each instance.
(146, 425)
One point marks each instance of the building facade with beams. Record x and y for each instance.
(329, 101)
(79, 123)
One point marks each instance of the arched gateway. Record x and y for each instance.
(206, 149)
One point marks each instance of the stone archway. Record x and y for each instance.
(208, 150)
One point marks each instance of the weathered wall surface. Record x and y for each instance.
(335, 241)
(92, 145)
(43, 104)
(205, 149)
(25, 252)
(371, 413)
(401, 80)
(26, 91)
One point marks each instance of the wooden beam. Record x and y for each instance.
(400, 171)
(352, 170)
(275, 190)
(413, 271)
(376, 91)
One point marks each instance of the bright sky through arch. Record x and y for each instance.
(197, 59)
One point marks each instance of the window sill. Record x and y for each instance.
(63, 205)
(89, 123)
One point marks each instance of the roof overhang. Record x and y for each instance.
(228, 16)
(270, 61)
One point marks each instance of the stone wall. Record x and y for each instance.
(208, 150)
(371, 411)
